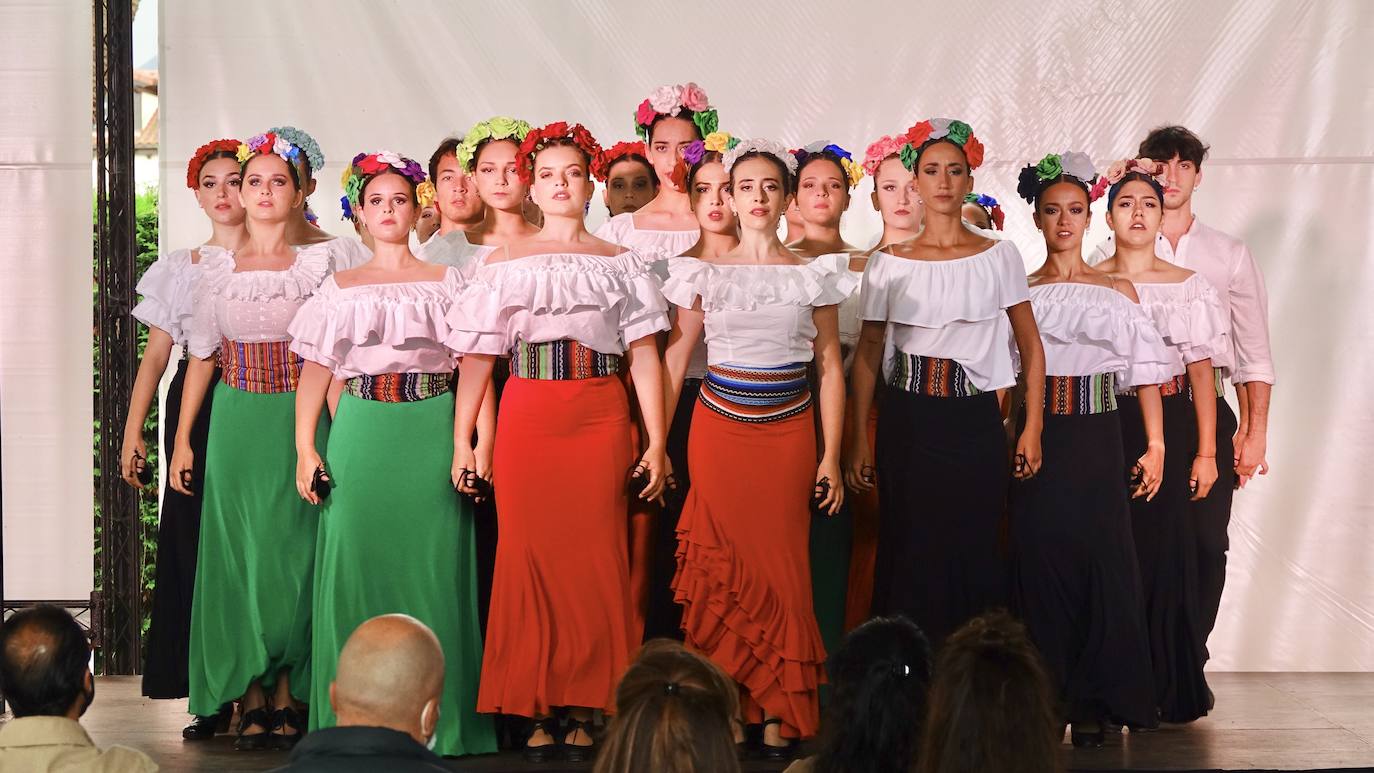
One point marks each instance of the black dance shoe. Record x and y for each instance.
(776, 753)
(549, 751)
(205, 728)
(257, 741)
(287, 719)
(573, 753)
(1090, 736)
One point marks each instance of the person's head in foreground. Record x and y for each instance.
(391, 675)
(674, 712)
(879, 678)
(991, 705)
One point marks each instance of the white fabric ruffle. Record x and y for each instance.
(1089, 329)
(825, 281)
(655, 245)
(935, 293)
(1189, 316)
(167, 287)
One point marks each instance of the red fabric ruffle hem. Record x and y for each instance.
(744, 575)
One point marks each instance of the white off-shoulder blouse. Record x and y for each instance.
(1190, 318)
(759, 315)
(251, 306)
(167, 287)
(371, 329)
(604, 303)
(955, 309)
(621, 230)
(1088, 329)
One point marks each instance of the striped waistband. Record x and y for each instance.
(756, 395)
(265, 367)
(931, 376)
(398, 387)
(1080, 395)
(562, 360)
(1219, 381)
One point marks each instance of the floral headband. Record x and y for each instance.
(920, 136)
(1070, 163)
(671, 101)
(715, 142)
(882, 149)
(774, 149)
(274, 144)
(537, 139)
(618, 152)
(989, 205)
(365, 165)
(203, 154)
(498, 127)
(852, 171)
(1118, 171)
(305, 142)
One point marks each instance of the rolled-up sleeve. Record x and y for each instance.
(1250, 321)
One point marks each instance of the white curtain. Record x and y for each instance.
(1281, 90)
(45, 297)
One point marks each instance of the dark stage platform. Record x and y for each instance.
(1262, 722)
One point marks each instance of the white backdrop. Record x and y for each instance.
(1282, 91)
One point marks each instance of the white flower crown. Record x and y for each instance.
(771, 147)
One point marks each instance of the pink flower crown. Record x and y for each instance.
(671, 101)
(1118, 171)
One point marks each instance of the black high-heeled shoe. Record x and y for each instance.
(256, 741)
(573, 753)
(776, 753)
(283, 719)
(549, 751)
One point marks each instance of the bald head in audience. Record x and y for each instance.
(391, 673)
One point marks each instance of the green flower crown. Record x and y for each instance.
(495, 128)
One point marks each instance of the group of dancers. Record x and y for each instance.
(478, 428)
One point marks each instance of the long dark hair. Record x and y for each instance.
(881, 675)
(991, 705)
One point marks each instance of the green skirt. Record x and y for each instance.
(395, 537)
(250, 614)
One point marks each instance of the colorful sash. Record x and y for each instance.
(266, 367)
(399, 387)
(756, 395)
(1080, 395)
(931, 376)
(563, 360)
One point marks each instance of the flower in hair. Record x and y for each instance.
(1054, 166)
(537, 139)
(616, 152)
(852, 171)
(1118, 170)
(879, 151)
(989, 205)
(920, 136)
(202, 153)
(495, 128)
(305, 142)
(670, 101)
(770, 147)
(425, 193)
(365, 165)
(274, 144)
(719, 142)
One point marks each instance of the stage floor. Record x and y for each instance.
(1262, 721)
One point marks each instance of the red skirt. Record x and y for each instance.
(560, 628)
(863, 506)
(743, 566)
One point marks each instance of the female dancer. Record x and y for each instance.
(1075, 580)
(743, 576)
(894, 197)
(707, 187)
(982, 211)
(1186, 310)
(630, 179)
(379, 329)
(948, 296)
(213, 173)
(668, 121)
(250, 620)
(568, 308)
(301, 230)
(487, 153)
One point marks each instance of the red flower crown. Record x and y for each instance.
(615, 153)
(202, 154)
(539, 138)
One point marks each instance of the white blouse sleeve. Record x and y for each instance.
(203, 336)
(315, 330)
(1191, 320)
(166, 289)
(936, 293)
(686, 281)
(645, 311)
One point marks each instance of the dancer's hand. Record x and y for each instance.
(1151, 464)
(1250, 457)
(859, 473)
(465, 464)
(179, 471)
(128, 464)
(1028, 458)
(655, 465)
(307, 462)
(1203, 476)
(829, 471)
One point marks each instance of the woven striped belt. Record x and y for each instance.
(931, 376)
(266, 367)
(563, 360)
(1080, 395)
(756, 395)
(398, 387)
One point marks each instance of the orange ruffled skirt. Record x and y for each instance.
(561, 629)
(743, 569)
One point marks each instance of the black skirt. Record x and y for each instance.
(1074, 578)
(942, 488)
(663, 616)
(1166, 549)
(178, 538)
(1212, 517)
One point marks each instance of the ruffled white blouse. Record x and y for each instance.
(955, 309)
(166, 288)
(251, 306)
(604, 303)
(451, 249)
(653, 244)
(759, 316)
(368, 330)
(851, 324)
(1088, 329)
(348, 252)
(1189, 316)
